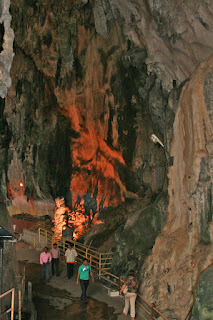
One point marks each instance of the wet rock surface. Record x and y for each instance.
(202, 308)
(135, 239)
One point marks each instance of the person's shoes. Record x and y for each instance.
(85, 302)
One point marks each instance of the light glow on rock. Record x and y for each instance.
(76, 222)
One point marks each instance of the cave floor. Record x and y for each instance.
(60, 298)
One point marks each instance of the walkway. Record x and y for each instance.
(59, 299)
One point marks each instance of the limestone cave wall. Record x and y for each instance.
(184, 248)
(9, 266)
(91, 81)
(82, 127)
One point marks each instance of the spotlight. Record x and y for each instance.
(156, 140)
(21, 184)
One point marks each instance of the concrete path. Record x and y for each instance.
(96, 291)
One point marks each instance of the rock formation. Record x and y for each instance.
(83, 114)
(6, 47)
(202, 308)
(9, 267)
(91, 81)
(184, 248)
(176, 34)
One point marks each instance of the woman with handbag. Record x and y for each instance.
(129, 289)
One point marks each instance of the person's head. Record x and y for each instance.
(54, 245)
(69, 244)
(45, 249)
(85, 261)
(131, 273)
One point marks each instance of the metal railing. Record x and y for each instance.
(100, 262)
(143, 303)
(11, 309)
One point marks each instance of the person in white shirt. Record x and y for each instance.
(70, 257)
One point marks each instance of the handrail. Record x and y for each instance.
(45, 233)
(151, 306)
(49, 237)
(11, 309)
(95, 258)
(99, 262)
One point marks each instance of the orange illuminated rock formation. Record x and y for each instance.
(76, 221)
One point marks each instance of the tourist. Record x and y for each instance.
(55, 253)
(45, 259)
(129, 289)
(84, 274)
(70, 258)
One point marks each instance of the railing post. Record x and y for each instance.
(74, 244)
(19, 304)
(120, 283)
(99, 269)
(153, 311)
(46, 236)
(30, 290)
(86, 252)
(12, 304)
(39, 235)
(64, 245)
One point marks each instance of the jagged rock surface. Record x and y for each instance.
(85, 81)
(177, 35)
(202, 308)
(6, 47)
(80, 113)
(184, 249)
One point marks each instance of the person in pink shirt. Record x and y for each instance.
(55, 253)
(45, 259)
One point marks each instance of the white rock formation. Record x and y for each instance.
(6, 56)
